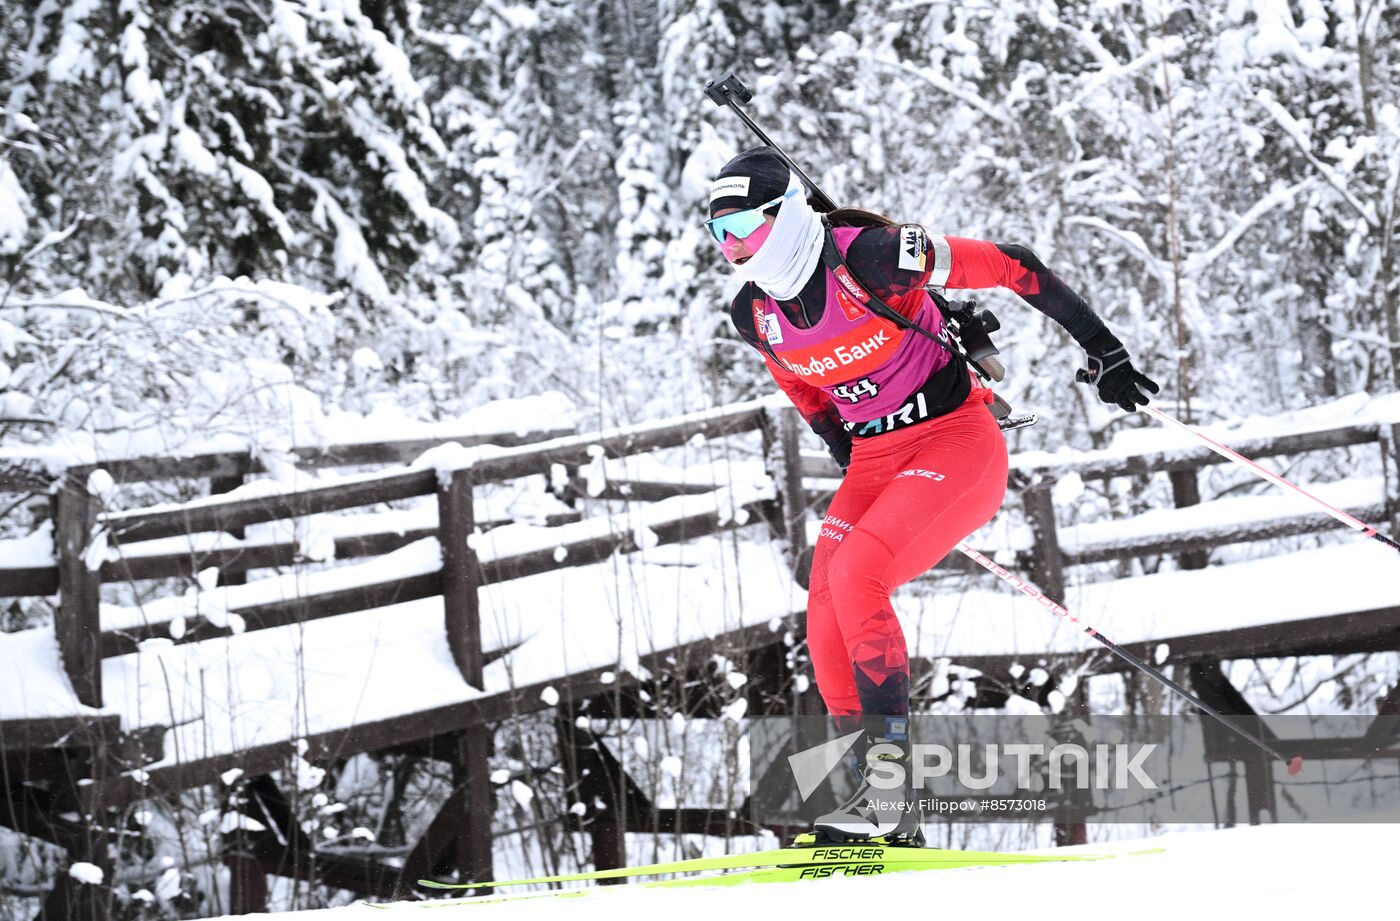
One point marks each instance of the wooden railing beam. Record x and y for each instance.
(1194, 458)
(425, 585)
(227, 516)
(505, 465)
(1215, 536)
(27, 476)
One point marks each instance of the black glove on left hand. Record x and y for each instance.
(1112, 371)
(827, 425)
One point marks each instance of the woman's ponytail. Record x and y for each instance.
(857, 217)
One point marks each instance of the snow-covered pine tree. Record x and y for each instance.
(1315, 84)
(252, 137)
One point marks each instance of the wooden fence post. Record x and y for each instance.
(472, 782)
(247, 880)
(794, 498)
(1390, 458)
(1071, 822)
(1186, 491)
(461, 576)
(217, 486)
(77, 623)
(1048, 560)
(1210, 683)
(590, 783)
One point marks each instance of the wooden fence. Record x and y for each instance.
(83, 643)
(79, 523)
(1035, 480)
(79, 520)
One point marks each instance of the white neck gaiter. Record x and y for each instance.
(785, 260)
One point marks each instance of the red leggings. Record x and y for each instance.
(909, 497)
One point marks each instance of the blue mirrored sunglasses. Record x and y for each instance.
(742, 223)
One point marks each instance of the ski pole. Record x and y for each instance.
(729, 91)
(1294, 764)
(1351, 521)
(1085, 376)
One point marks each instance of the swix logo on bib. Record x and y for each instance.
(760, 319)
(849, 294)
(843, 275)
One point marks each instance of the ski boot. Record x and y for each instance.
(875, 813)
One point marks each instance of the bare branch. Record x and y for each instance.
(943, 84)
(86, 304)
(1198, 262)
(1107, 74)
(1295, 133)
(1130, 240)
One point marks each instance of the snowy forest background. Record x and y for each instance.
(436, 203)
(244, 216)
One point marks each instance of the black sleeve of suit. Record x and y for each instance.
(1056, 299)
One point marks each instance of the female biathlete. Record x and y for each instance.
(925, 463)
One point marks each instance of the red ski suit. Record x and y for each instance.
(911, 492)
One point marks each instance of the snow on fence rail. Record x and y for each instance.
(24, 475)
(415, 571)
(83, 534)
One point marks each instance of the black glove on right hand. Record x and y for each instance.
(1112, 371)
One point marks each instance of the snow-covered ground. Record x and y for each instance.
(1332, 870)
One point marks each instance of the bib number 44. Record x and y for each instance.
(855, 391)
